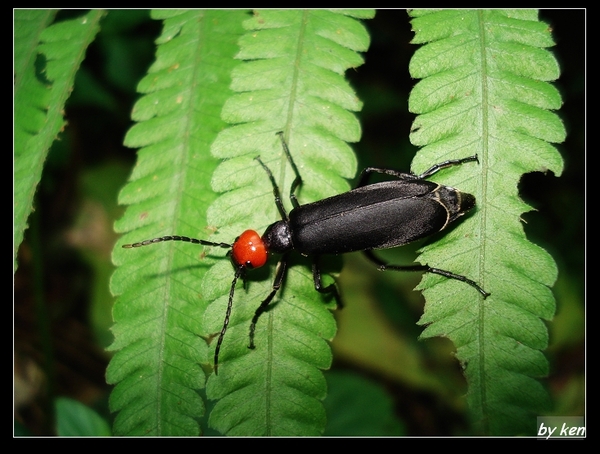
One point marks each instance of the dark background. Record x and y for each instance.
(71, 227)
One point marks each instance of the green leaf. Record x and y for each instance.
(40, 95)
(357, 406)
(290, 80)
(158, 315)
(484, 92)
(75, 419)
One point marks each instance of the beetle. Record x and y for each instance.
(371, 216)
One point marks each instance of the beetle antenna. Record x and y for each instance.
(175, 238)
(239, 271)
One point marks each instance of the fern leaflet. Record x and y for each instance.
(290, 80)
(484, 92)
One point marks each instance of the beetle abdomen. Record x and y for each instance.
(378, 216)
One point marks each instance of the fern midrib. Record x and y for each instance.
(283, 166)
(178, 185)
(482, 216)
(293, 92)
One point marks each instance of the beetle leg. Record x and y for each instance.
(295, 184)
(279, 276)
(425, 268)
(442, 165)
(368, 171)
(276, 192)
(298, 179)
(330, 289)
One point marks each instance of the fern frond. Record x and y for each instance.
(158, 314)
(484, 92)
(39, 107)
(291, 80)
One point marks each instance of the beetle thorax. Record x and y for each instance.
(278, 238)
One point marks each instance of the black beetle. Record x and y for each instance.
(372, 216)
